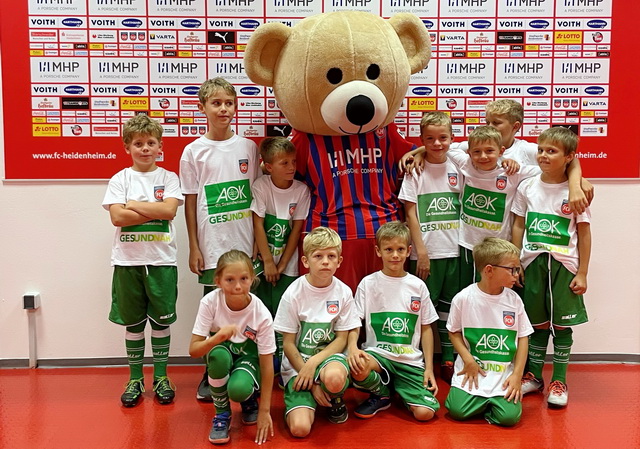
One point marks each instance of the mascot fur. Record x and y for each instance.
(340, 78)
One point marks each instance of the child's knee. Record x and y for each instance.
(504, 418)
(334, 378)
(422, 413)
(299, 427)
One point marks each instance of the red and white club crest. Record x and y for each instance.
(332, 307)
(251, 334)
(565, 207)
(509, 318)
(380, 132)
(244, 166)
(501, 182)
(292, 208)
(453, 179)
(415, 304)
(158, 192)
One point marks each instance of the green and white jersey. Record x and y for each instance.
(221, 174)
(255, 326)
(490, 326)
(436, 194)
(153, 242)
(550, 226)
(486, 201)
(279, 207)
(314, 315)
(394, 310)
(522, 151)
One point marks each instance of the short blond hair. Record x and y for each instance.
(272, 147)
(211, 86)
(321, 238)
(392, 230)
(435, 118)
(511, 109)
(491, 251)
(562, 136)
(141, 124)
(482, 134)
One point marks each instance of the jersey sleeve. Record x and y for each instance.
(584, 217)
(286, 319)
(409, 188)
(348, 318)
(172, 188)
(265, 338)
(258, 200)
(454, 322)
(524, 325)
(204, 319)
(116, 192)
(360, 298)
(458, 156)
(528, 171)
(188, 174)
(428, 313)
(519, 206)
(304, 202)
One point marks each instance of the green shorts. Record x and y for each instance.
(208, 277)
(547, 296)
(250, 363)
(443, 281)
(295, 399)
(496, 410)
(270, 294)
(407, 381)
(468, 274)
(144, 291)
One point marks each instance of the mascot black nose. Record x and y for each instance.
(360, 110)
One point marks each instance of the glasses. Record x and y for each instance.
(514, 270)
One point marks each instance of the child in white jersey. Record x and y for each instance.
(432, 206)
(216, 174)
(398, 314)
(315, 315)
(556, 246)
(239, 354)
(488, 328)
(142, 201)
(280, 205)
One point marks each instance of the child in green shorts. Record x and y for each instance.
(315, 315)
(142, 201)
(489, 330)
(556, 246)
(398, 314)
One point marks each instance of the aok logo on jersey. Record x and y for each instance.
(491, 344)
(484, 204)
(228, 196)
(394, 327)
(444, 206)
(277, 231)
(314, 337)
(547, 228)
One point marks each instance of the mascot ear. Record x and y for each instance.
(263, 50)
(414, 38)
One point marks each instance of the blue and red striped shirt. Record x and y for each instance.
(353, 179)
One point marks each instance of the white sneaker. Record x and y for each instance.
(558, 394)
(531, 384)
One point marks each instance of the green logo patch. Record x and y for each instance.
(228, 196)
(277, 231)
(498, 345)
(394, 327)
(443, 206)
(484, 204)
(149, 226)
(546, 228)
(314, 337)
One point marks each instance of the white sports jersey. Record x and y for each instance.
(279, 207)
(521, 151)
(153, 242)
(314, 314)
(486, 200)
(255, 325)
(550, 226)
(490, 326)
(436, 194)
(221, 174)
(394, 310)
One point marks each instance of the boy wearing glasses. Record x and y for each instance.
(489, 330)
(556, 246)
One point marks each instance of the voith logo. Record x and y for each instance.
(396, 325)
(493, 342)
(537, 90)
(132, 23)
(481, 24)
(539, 24)
(511, 23)
(481, 201)
(594, 90)
(315, 336)
(544, 225)
(509, 90)
(165, 23)
(72, 22)
(191, 23)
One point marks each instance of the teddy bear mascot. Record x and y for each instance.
(339, 79)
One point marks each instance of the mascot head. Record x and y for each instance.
(339, 73)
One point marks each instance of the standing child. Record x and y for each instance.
(315, 315)
(239, 354)
(280, 205)
(432, 206)
(556, 247)
(216, 173)
(489, 328)
(398, 315)
(142, 202)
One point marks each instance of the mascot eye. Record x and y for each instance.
(334, 75)
(373, 72)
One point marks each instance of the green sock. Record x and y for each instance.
(134, 342)
(445, 344)
(537, 350)
(160, 340)
(220, 394)
(562, 342)
(373, 383)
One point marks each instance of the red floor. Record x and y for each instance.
(80, 408)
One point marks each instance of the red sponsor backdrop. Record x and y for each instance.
(621, 147)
